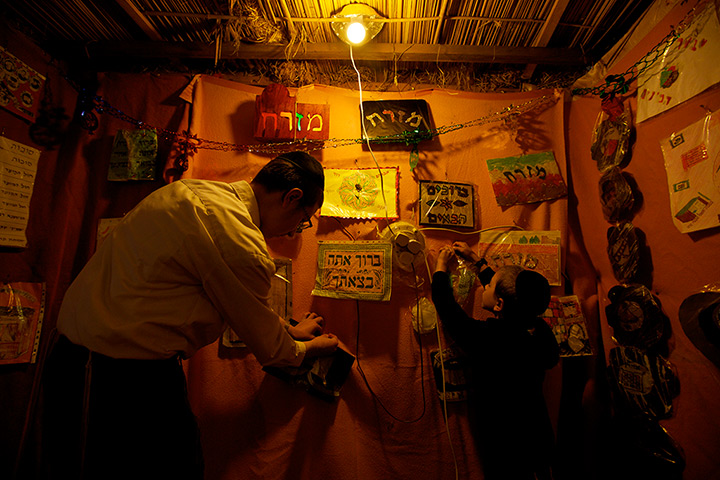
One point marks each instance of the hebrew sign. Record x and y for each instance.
(396, 120)
(447, 204)
(360, 270)
(19, 86)
(526, 179)
(279, 117)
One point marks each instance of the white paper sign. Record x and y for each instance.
(18, 166)
(688, 67)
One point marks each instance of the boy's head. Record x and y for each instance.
(516, 291)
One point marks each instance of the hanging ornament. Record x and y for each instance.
(84, 111)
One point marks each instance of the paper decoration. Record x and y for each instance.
(360, 270)
(279, 117)
(526, 179)
(280, 299)
(18, 167)
(616, 196)
(692, 164)
(22, 307)
(534, 250)
(688, 67)
(359, 193)
(396, 120)
(611, 135)
(623, 251)
(447, 204)
(20, 86)
(567, 321)
(134, 155)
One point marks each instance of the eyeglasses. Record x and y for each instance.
(305, 223)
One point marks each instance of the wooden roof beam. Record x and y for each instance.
(546, 32)
(140, 19)
(339, 51)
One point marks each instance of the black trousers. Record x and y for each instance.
(106, 418)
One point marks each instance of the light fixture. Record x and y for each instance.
(356, 24)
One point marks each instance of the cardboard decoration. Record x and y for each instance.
(688, 67)
(623, 251)
(447, 204)
(526, 179)
(565, 317)
(279, 117)
(533, 250)
(22, 308)
(396, 120)
(361, 193)
(692, 164)
(20, 86)
(361, 270)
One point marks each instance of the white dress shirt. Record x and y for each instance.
(185, 262)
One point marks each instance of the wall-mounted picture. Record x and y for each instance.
(361, 193)
(526, 179)
(446, 204)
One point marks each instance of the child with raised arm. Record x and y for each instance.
(507, 355)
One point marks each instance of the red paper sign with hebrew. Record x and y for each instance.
(279, 117)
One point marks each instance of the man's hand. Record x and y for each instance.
(308, 328)
(321, 345)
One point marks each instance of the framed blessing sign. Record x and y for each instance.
(447, 204)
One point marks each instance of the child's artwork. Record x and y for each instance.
(534, 250)
(689, 66)
(396, 120)
(526, 179)
(567, 321)
(446, 204)
(692, 163)
(22, 306)
(360, 270)
(361, 193)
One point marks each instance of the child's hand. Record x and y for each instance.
(464, 251)
(444, 256)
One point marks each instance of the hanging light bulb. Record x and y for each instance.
(356, 24)
(356, 32)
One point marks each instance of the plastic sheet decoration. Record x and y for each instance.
(645, 383)
(692, 164)
(611, 135)
(636, 317)
(616, 196)
(623, 251)
(361, 193)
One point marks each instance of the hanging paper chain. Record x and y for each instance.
(620, 84)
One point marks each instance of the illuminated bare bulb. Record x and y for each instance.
(356, 32)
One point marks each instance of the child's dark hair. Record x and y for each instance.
(524, 292)
(294, 170)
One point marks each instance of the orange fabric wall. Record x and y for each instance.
(256, 425)
(682, 264)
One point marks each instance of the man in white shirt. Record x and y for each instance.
(188, 260)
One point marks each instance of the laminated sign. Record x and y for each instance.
(18, 166)
(360, 270)
(134, 155)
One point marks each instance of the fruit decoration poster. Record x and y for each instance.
(18, 167)
(20, 86)
(687, 67)
(535, 250)
(22, 307)
(446, 204)
(692, 164)
(526, 179)
(361, 193)
(565, 317)
(361, 270)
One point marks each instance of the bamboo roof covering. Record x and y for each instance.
(466, 44)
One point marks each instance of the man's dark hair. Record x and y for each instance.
(294, 170)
